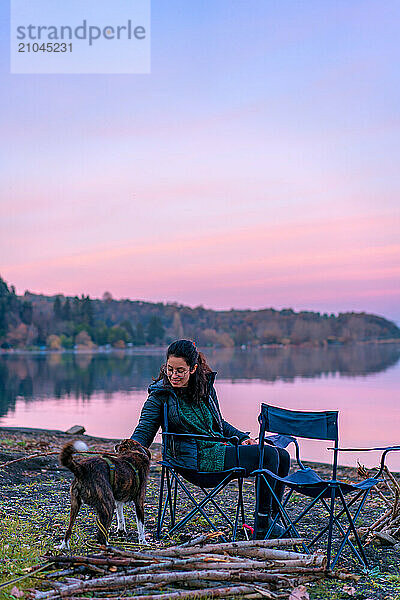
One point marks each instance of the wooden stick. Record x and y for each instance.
(114, 582)
(343, 576)
(285, 571)
(392, 478)
(268, 554)
(236, 547)
(396, 519)
(223, 547)
(140, 590)
(38, 455)
(382, 497)
(149, 564)
(379, 521)
(314, 560)
(241, 565)
(30, 574)
(90, 560)
(214, 592)
(201, 538)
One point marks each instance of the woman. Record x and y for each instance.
(186, 384)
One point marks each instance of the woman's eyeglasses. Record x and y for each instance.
(180, 371)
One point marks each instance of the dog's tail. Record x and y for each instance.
(66, 455)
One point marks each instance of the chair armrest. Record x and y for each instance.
(386, 450)
(198, 436)
(234, 440)
(282, 441)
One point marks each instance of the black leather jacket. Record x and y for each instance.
(183, 452)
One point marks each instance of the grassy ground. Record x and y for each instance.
(34, 509)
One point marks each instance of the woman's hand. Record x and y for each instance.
(249, 442)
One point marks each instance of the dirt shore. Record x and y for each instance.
(34, 509)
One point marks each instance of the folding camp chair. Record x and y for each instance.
(306, 482)
(174, 478)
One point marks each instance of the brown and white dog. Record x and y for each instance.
(107, 483)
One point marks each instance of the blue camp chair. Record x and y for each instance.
(329, 492)
(174, 478)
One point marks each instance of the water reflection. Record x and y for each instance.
(80, 376)
(272, 364)
(72, 375)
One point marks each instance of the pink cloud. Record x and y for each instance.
(331, 262)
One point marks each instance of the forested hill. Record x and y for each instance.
(57, 322)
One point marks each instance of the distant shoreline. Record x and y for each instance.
(161, 349)
(35, 322)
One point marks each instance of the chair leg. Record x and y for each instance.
(352, 528)
(284, 503)
(284, 515)
(338, 525)
(160, 503)
(170, 500)
(198, 506)
(175, 497)
(242, 503)
(301, 515)
(345, 535)
(239, 506)
(330, 528)
(282, 511)
(170, 480)
(256, 510)
(218, 508)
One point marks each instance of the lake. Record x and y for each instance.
(105, 392)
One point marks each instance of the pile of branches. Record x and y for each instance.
(385, 529)
(249, 569)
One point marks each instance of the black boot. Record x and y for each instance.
(264, 523)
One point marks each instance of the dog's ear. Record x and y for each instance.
(125, 445)
(138, 447)
(129, 445)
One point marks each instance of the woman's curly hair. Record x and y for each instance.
(198, 381)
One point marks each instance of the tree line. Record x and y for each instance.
(60, 322)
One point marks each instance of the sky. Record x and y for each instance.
(257, 165)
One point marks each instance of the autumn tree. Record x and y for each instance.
(53, 342)
(20, 335)
(83, 340)
(117, 334)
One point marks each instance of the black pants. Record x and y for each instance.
(276, 460)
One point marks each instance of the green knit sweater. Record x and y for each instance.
(199, 419)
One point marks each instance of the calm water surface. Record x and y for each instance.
(105, 392)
